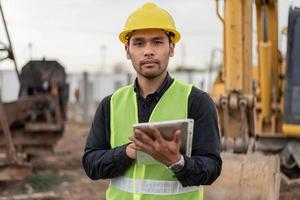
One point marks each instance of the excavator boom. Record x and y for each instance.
(250, 102)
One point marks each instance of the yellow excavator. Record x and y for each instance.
(258, 105)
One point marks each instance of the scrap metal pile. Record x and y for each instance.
(31, 125)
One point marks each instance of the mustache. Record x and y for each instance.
(149, 60)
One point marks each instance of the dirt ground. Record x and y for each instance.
(62, 172)
(67, 162)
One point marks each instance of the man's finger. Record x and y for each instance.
(135, 141)
(156, 133)
(140, 145)
(143, 137)
(177, 138)
(132, 145)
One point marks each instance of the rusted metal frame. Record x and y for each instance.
(290, 182)
(40, 196)
(55, 100)
(10, 149)
(18, 110)
(56, 120)
(20, 139)
(58, 117)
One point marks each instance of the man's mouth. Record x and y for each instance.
(149, 61)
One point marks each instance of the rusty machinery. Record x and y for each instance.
(258, 106)
(33, 123)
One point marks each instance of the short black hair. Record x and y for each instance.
(170, 36)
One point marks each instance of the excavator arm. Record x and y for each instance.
(245, 102)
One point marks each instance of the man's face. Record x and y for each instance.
(149, 51)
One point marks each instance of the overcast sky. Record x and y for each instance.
(83, 34)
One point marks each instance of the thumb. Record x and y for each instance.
(177, 138)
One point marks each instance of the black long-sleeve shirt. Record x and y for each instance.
(100, 161)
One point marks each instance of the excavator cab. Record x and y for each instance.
(291, 125)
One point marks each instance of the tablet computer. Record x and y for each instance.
(167, 130)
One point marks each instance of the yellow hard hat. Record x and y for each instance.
(147, 17)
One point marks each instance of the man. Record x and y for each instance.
(149, 37)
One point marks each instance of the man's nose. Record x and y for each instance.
(148, 51)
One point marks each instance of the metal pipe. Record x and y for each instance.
(218, 13)
(12, 56)
(224, 41)
(10, 148)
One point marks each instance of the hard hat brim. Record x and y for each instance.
(123, 37)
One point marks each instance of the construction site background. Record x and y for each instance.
(61, 176)
(51, 111)
(93, 87)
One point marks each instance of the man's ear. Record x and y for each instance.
(172, 47)
(127, 52)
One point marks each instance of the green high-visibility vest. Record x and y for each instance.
(147, 182)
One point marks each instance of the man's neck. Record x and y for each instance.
(149, 86)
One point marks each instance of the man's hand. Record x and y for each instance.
(131, 151)
(167, 152)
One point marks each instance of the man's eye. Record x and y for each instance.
(138, 43)
(158, 42)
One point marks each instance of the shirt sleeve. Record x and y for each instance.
(204, 166)
(100, 161)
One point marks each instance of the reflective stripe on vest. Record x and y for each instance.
(154, 187)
